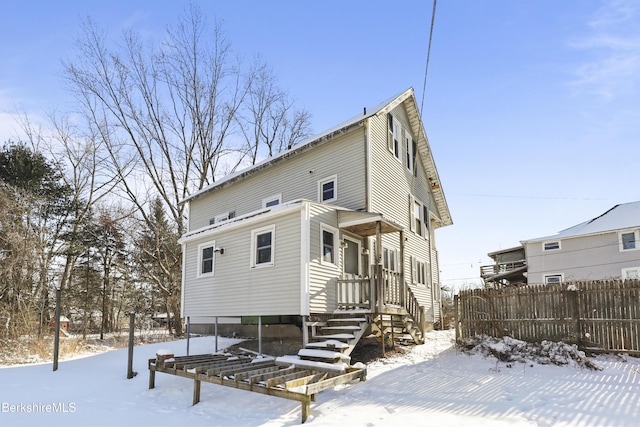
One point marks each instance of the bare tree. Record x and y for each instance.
(268, 120)
(164, 113)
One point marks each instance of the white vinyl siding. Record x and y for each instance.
(323, 276)
(392, 189)
(238, 290)
(294, 178)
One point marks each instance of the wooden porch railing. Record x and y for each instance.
(358, 292)
(354, 292)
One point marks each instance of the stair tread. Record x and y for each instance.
(344, 328)
(349, 319)
(328, 344)
(335, 336)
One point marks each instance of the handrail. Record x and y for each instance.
(415, 310)
(354, 292)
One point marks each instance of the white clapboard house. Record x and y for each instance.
(334, 236)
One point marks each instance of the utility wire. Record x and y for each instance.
(426, 69)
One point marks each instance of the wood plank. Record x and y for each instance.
(272, 382)
(305, 380)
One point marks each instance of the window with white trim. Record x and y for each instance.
(393, 136)
(629, 240)
(328, 245)
(551, 246)
(419, 217)
(328, 189)
(550, 279)
(274, 200)
(222, 217)
(420, 271)
(390, 259)
(631, 273)
(410, 149)
(206, 259)
(263, 246)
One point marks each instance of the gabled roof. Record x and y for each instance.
(619, 217)
(407, 97)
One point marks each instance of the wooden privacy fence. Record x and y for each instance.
(598, 316)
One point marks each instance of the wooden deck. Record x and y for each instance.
(270, 376)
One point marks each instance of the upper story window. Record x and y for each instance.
(274, 200)
(263, 246)
(551, 246)
(206, 257)
(393, 136)
(410, 148)
(419, 217)
(329, 238)
(328, 189)
(629, 240)
(550, 279)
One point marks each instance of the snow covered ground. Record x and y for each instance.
(432, 384)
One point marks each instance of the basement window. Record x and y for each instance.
(553, 279)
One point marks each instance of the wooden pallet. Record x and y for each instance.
(279, 378)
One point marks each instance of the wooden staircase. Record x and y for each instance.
(333, 341)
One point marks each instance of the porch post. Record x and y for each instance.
(403, 283)
(379, 278)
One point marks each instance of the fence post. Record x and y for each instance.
(456, 320)
(575, 312)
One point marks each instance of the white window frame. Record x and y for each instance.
(625, 273)
(254, 246)
(407, 140)
(394, 143)
(275, 198)
(201, 248)
(420, 269)
(636, 237)
(223, 217)
(548, 276)
(424, 228)
(322, 182)
(387, 255)
(336, 245)
(544, 245)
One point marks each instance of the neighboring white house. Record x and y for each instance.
(343, 220)
(604, 247)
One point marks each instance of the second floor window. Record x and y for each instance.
(328, 189)
(274, 200)
(551, 246)
(628, 241)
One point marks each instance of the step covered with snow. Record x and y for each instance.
(328, 356)
(329, 344)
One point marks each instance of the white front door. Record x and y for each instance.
(351, 257)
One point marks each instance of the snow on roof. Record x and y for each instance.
(619, 217)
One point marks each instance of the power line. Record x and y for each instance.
(426, 69)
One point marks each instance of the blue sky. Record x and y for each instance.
(532, 107)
